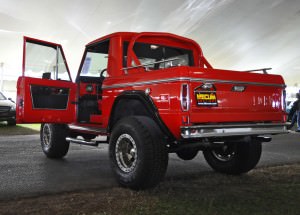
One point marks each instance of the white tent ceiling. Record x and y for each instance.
(234, 34)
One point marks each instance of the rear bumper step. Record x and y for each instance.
(219, 130)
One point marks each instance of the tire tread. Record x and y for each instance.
(59, 146)
(154, 152)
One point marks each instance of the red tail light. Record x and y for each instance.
(185, 97)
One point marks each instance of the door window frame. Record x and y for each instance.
(56, 46)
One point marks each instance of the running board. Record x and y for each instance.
(84, 142)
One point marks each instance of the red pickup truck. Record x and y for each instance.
(149, 94)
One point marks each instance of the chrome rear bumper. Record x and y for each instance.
(221, 130)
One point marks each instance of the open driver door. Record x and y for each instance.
(45, 91)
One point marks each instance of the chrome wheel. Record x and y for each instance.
(224, 153)
(137, 152)
(47, 136)
(126, 153)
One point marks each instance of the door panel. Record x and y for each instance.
(45, 91)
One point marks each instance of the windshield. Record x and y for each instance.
(2, 97)
(153, 56)
(96, 59)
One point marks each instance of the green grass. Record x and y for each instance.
(19, 129)
(265, 191)
(274, 190)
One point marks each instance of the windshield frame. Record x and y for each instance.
(101, 47)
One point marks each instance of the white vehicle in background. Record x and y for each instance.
(7, 110)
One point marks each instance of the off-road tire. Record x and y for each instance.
(148, 152)
(240, 158)
(53, 140)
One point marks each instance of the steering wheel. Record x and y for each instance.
(102, 73)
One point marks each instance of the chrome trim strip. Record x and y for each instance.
(217, 130)
(237, 125)
(131, 84)
(237, 82)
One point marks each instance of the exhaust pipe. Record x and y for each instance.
(82, 142)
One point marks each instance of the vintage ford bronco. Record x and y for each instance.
(149, 94)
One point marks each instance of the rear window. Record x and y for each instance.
(154, 56)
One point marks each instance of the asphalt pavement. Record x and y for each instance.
(25, 171)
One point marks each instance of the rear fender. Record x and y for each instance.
(136, 103)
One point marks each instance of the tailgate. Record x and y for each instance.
(229, 96)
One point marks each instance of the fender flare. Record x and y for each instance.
(148, 105)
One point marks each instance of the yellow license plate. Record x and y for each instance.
(207, 98)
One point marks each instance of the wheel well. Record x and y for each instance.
(128, 107)
(136, 103)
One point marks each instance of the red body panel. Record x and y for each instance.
(256, 104)
(260, 101)
(26, 113)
